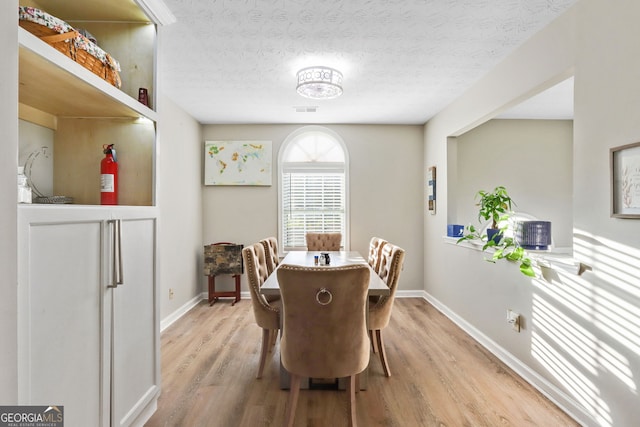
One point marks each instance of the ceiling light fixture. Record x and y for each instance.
(319, 83)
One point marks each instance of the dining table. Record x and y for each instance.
(377, 287)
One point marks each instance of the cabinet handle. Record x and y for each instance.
(117, 273)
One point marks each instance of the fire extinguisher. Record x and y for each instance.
(109, 176)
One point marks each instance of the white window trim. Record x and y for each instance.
(324, 165)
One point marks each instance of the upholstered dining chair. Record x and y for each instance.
(324, 332)
(375, 253)
(375, 258)
(267, 314)
(380, 311)
(271, 251)
(323, 241)
(272, 259)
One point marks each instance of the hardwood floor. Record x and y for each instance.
(440, 377)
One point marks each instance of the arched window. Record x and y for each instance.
(312, 178)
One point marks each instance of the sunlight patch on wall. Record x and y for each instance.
(576, 293)
(559, 328)
(569, 353)
(617, 267)
(586, 328)
(615, 263)
(618, 319)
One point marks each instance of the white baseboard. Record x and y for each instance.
(168, 321)
(553, 393)
(410, 294)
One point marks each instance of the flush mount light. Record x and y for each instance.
(319, 83)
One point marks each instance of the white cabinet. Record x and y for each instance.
(135, 321)
(83, 343)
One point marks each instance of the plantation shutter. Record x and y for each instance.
(312, 201)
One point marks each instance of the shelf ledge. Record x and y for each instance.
(559, 259)
(71, 90)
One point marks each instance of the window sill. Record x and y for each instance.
(559, 259)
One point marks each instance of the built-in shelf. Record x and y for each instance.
(71, 90)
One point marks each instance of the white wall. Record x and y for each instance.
(8, 198)
(32, 141)
(604, 305)
(179, 199)
(386, 197)
(580, 338)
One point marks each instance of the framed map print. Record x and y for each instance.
(237, 163)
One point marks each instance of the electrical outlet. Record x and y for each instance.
(170, 293)
(513, 319)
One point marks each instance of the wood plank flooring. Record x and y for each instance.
(440, 377)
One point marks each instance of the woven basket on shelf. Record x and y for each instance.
(64, 44)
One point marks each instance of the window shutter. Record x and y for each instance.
(311, 202)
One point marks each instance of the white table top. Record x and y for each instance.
(338, 259)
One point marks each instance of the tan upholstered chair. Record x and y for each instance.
(375, 253)
(267, 314)
(324, 332)
(375, 258)
(323, 241)
(271, 251)
(380, 311)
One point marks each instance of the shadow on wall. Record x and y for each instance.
(586, 329)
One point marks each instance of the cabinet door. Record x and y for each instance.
(60, 310)
(135, 326)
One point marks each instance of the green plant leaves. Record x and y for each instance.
(496, 206)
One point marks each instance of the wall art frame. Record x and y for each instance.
(625, 181)
(238, 163)
(431, 190)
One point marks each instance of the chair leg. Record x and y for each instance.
(263, 351)
(294, 391)
(382, 353)
(274, 338)
(351, 390)
(374, 344)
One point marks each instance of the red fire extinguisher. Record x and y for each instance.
(109, 176)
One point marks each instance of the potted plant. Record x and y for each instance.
(496, 207)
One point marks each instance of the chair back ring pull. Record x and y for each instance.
(322, 298)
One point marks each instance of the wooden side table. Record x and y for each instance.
(223, 258)
(214, 295)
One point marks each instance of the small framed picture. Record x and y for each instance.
(431, 190)
(625, 181)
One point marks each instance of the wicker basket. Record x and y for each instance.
(64, 43)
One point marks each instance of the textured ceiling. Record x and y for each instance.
(234, 61)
